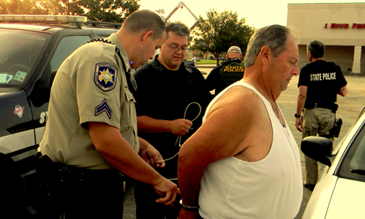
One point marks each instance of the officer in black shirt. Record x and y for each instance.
(319, 83)
(171, 99)
(227, 72)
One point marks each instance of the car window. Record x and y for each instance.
(353, 165)
(42, 89)
(19, 52)
(66, 46)
(358, 160)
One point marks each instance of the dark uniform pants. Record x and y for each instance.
(69, 192)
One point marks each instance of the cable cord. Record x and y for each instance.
(178, 140)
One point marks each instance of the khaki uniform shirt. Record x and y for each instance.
(90, 86)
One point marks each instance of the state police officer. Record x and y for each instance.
(319, 83)
(227, 72)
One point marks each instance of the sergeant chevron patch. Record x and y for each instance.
(104, 107)
(105, 76)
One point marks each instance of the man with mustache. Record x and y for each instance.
(243, 162)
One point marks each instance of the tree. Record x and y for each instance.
(20, 7)
(220, 31)
(95, 10)
(51, 7)
(109, 10)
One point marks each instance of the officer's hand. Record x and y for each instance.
(153, 157)
(167, 190)
(299, 124)
(180, 126)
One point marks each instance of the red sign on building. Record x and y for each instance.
(344, 26)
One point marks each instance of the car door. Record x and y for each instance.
(64, 45)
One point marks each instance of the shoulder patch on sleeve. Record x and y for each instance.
(104, 107)
(105, 76)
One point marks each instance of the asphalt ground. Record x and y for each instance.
(349, 109)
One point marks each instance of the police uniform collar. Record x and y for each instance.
(114, 39)
(230, 60)
(132, 84)
(319, 60)
(233, 60)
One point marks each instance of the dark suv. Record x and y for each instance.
(29, 58)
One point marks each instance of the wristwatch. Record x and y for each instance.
(296, 115)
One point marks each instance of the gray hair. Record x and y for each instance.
(178, 28)
(274, 36)
(145, 20)
(316, 48)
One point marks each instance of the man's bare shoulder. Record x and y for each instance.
(239, 100)
(237, 120)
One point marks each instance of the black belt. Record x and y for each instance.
(88, 174)
(58, 182)
(331, 106)
(47, 167)
(320, 105)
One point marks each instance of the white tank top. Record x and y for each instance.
(269, 188)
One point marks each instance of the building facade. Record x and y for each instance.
(340, 26)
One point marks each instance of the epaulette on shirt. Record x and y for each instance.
(100, 40)
(156, 65)
(104, 40)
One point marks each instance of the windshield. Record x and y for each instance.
(353, 166)
(19, 52)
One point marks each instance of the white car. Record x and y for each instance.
(196, 59)
(340, 193)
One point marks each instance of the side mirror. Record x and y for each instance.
(51, 77)
(42, 89)
(317, 148)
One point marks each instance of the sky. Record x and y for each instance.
(259, 13)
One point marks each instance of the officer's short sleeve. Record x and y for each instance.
(340, 77)
(97, 87)
(303, 77)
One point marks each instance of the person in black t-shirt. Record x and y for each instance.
(171, 99)
(227, 72)
(319, 83)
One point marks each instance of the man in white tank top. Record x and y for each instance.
(244, 162)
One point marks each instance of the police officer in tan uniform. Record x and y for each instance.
(91, 134)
